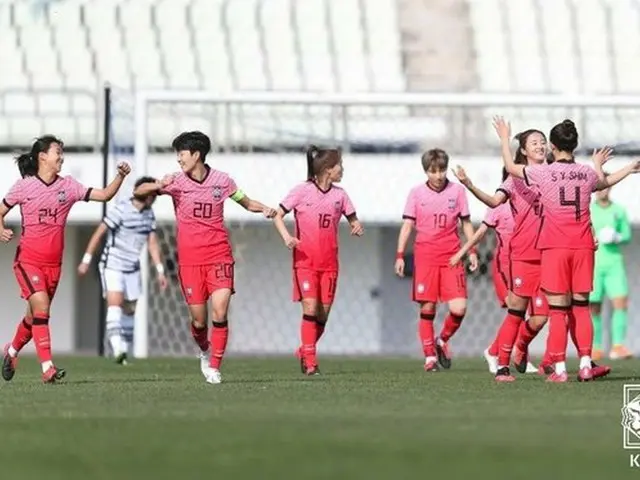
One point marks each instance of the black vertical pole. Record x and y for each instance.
(106, 144)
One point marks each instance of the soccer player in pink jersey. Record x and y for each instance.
(434, 209)
(565, 238)
(317, 205)
(205, 257)
(501, 220)
(45, 199)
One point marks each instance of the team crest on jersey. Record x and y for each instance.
(217, 192)
(337, 206)
(452, 204)
(62, 196)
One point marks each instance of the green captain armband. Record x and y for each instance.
(238, 195)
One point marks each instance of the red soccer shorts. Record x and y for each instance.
(198, 282)
(314, 284)
(525, 282)
(32, 279)
(567, 271)
(500, 282)
(433, 283)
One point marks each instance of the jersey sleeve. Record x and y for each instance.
(15, 195)
(410, 207)
(506, 187)
(347, 206)
(464, 204)
(78, 191)
(232, 190)
(490, 218)
(173, 189)
(113, 218)
(292, 199)
(534, 174)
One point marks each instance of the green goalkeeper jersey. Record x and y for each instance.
(612, 229)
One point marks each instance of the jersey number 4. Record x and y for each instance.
(575, 202)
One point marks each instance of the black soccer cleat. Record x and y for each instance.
(122, 359)
(444, 357)
(8, 366)
(60, 373)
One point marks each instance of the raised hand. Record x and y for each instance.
(601, 156)
(502, 127)
(461, 175)
(167, 179)
(124, 169)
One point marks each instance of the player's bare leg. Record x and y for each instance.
(559, 309)
(21, 338)
(427, 336)
(309, 336)
(40, 306)
(452, 322)
(220, 300)
(115, 334)
(508, 333)
(200, 334)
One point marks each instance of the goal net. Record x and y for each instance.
(259, 139)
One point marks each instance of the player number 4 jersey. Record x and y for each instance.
(566, 189)
(317, 216)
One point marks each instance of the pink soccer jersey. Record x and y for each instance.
(44, 208)
(199, 207)
(317, 215)
(566, 189)
(436, 215)
(501, 220)
(526, 208)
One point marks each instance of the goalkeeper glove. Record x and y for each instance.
(608, 236)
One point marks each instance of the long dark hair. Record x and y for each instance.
(321, 159)
(522, 137)
(28, 162)
(564, 136)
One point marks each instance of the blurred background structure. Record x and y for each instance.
(56, 56)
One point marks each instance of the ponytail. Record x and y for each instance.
(312, 153)
(27, 165)
(28, 162)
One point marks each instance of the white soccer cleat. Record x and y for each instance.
(204, 363)
(492, 361)
(531, 368)
(213, 376)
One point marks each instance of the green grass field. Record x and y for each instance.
(363, 419)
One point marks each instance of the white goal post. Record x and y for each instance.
(609, 107)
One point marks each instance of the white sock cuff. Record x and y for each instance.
(114, 313)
